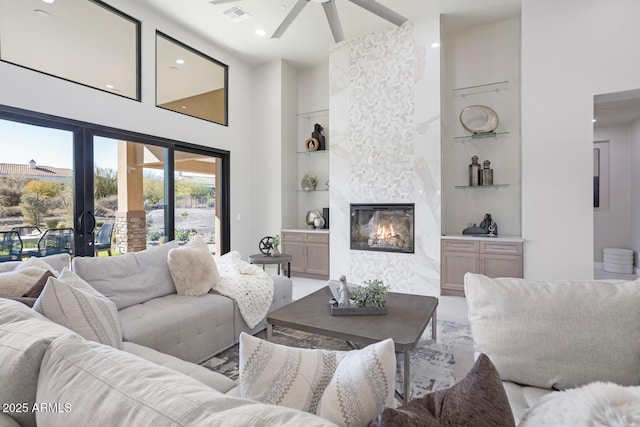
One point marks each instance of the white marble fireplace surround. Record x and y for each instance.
(385, 148)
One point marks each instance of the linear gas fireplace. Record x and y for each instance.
(382, 227)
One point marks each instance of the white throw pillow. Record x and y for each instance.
(595, 404)
(18, 281)
(72, 302)
(345, 387)
(192, 268)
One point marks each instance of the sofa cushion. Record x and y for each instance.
(212, 379)
(36, 289)
(24, 338)
(522, 398)
(57, 262)
(346, 387)
(100, 385)
(595, 404)
(71, 302)
(477, 400)
(557, 334)
(189, 328)
(192, 268)
(131, 278)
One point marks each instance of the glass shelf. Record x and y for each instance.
(473, 187)
(313, 152)
(313, 191)
(314, 114)
(480, 136)
(490, 87)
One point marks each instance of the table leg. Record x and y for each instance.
(289, 270)
(269, 331)
(278, 269)
(407, 381)
(434, 325)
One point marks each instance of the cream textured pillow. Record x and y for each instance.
(192, 268)
(345, 387)
(18, 281)
(72, 302)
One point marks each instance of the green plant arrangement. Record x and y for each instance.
(275, 240)
(372, 294)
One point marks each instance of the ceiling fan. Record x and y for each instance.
(331, 12)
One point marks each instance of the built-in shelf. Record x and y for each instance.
(313, 191)
(314, 114)
(473, 187)
(480, 136)
(489, 87)
(313, 152)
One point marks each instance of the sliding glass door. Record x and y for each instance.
(114, 191)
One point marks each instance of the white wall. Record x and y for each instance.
(571, 50)
(612, 222)
(34, 91)
(289, 200)
(473, 56)
(634, 159)
(385, 148)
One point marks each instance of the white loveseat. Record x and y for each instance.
(555, 335)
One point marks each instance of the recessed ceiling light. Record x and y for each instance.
(261, 32)
(184, 107)
(48, 1)
(180, 61)
(436, 44)
(41, 12)
(110, 86)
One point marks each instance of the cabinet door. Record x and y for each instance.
(296, 250)
(318, 258)
(493, 265)
(454, 266)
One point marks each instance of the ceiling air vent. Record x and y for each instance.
(236, 14)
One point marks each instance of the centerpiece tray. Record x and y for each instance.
(357, 311)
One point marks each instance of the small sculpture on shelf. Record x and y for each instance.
(474, 172)
(486, 175)
(317, 134)
(344, 293)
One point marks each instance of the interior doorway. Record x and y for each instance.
(616, 210)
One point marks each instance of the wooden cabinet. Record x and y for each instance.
(491, 258)
(309, 251)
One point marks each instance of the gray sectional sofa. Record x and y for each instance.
(153, 315)
(53, 377)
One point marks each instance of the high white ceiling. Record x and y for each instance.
(616, 108)
(308, 40)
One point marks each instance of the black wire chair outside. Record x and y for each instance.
(103, 238)
(10, 246)
(55, 241)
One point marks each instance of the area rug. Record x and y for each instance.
(434, 365)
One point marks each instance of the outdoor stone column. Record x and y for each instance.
(131, 224)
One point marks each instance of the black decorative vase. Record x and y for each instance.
(317, 134)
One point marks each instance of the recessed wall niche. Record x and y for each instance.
(190, 82)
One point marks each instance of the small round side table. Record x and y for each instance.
(279, 260)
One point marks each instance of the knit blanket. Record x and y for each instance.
(247, 284)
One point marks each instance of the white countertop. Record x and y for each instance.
(499, 238)
(305, 230)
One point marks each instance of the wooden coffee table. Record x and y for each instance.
(406, 319)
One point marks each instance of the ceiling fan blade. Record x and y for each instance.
(222, 1)
(297, 8)
(334, 20)
(381, 10)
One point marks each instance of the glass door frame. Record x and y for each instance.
(83, 181)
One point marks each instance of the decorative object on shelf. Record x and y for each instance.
(310, 218)
(325, 215)
(487, 227)
(275, 242)
(370, 299)
(344, 293)
(318, 222)
(317, 134)
(474, 171)
(266, 245)
(479, 119)
(309, 183)
(486, 175)
(311, 144)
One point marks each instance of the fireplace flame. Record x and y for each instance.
(386, 235)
